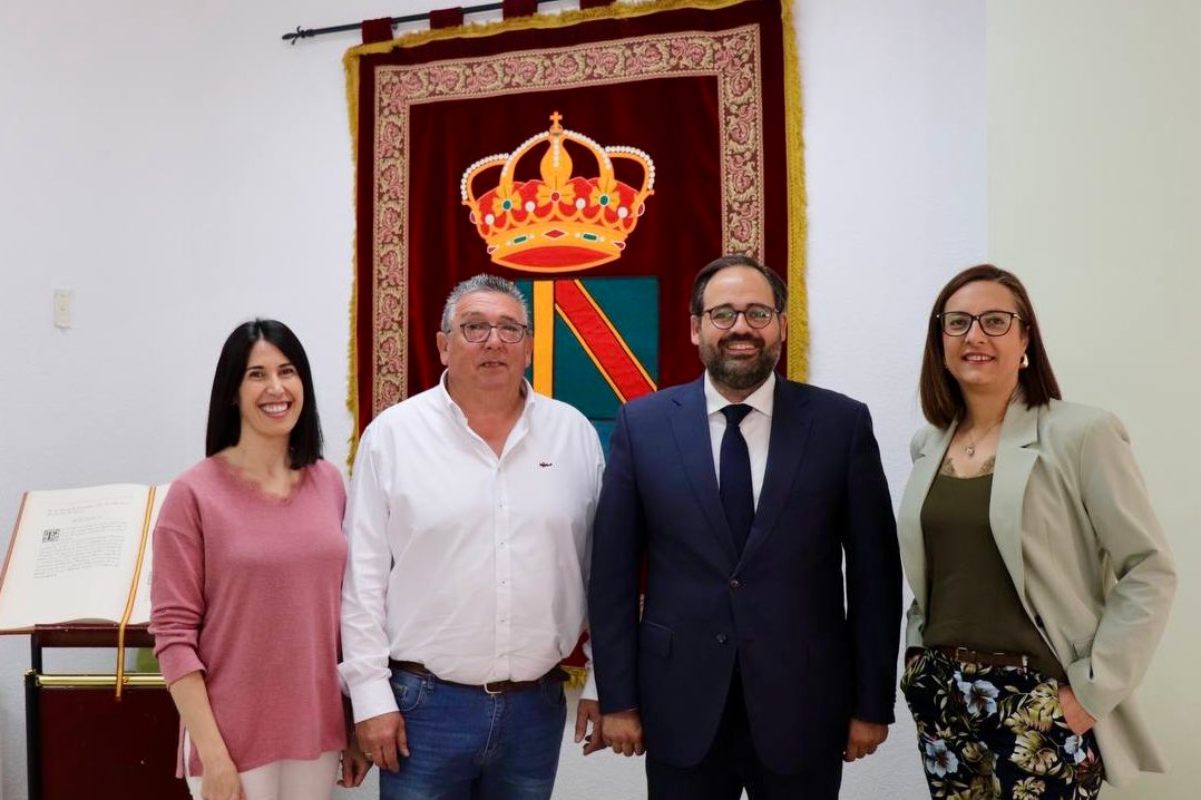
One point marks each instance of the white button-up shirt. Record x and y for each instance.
(755, 427)
(473, 565)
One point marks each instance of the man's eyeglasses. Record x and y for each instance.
(508, 332)
(725, 317)
(993, 323)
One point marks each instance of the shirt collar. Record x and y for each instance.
(527, 392)
(762, 399)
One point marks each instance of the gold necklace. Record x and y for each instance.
(970, 447)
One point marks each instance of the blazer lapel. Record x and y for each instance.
(909, 519)
(785, 451)
(1015, 460)
(690, 425)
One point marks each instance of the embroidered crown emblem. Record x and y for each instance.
(560, 222)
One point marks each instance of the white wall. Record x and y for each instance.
(895, 162)
(1094, 119)
(181, 170)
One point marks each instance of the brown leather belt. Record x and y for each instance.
(492, 687)
(969, 656)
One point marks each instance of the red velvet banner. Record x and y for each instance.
(702, 89)
(377, 30)
(599, 158)
(519, 8)
(446, 17)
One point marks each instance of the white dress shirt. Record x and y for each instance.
(755, 427)
(473, 565)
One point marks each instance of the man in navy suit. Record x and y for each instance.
(744, 493)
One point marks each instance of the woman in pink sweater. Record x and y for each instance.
(248, 561)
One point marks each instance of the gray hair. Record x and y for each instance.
(481, 283)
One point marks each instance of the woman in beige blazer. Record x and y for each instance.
(1041, 578)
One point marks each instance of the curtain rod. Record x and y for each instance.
(308, 33)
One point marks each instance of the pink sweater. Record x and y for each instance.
(247, 589)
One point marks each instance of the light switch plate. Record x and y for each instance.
(62, 308)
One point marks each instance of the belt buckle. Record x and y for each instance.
(490, 691)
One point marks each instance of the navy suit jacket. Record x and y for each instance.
(808, 664)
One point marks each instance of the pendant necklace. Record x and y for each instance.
(970, 447)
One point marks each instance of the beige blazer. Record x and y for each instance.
(1072, 520)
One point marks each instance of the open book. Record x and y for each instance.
(80, 554)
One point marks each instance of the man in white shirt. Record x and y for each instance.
(469, 525)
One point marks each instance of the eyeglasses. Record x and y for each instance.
(725, 317)
(508, 332)
(993, 323)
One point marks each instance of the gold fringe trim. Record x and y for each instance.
(563, 19)
(576, 677)
(794, 146)
(798, 341)
(352, 350)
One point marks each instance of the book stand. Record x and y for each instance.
(82, 741)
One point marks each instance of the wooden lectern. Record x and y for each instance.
(82, 741)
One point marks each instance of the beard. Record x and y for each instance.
(740, 373)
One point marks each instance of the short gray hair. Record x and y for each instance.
(481, 283)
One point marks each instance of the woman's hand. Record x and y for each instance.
(354, 765)
(220, 781)
(1079, 721)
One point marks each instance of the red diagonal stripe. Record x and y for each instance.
(601, 340)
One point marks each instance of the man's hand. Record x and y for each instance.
(586, 713)
(1079, 720)
(622, 731)
(381, 737)
(863, 738)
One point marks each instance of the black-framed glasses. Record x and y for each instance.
(508, 332)
(993, 323)
(725, 317)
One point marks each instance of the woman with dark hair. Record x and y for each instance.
(246, 587)
(1041, 577)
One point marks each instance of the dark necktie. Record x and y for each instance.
(734, 482)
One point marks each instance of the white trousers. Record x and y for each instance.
(283, 780)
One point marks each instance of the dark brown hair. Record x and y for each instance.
(942, 399)
(779, 290)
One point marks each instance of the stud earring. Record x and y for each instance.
(1025, 360)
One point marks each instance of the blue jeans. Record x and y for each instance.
(469, 745)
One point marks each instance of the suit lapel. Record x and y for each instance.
(785, 451)
(690, 426)
(909, 521)
(1015, 460)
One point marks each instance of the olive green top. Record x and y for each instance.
(972, 601)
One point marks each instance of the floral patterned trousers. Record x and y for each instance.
(988, 733)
